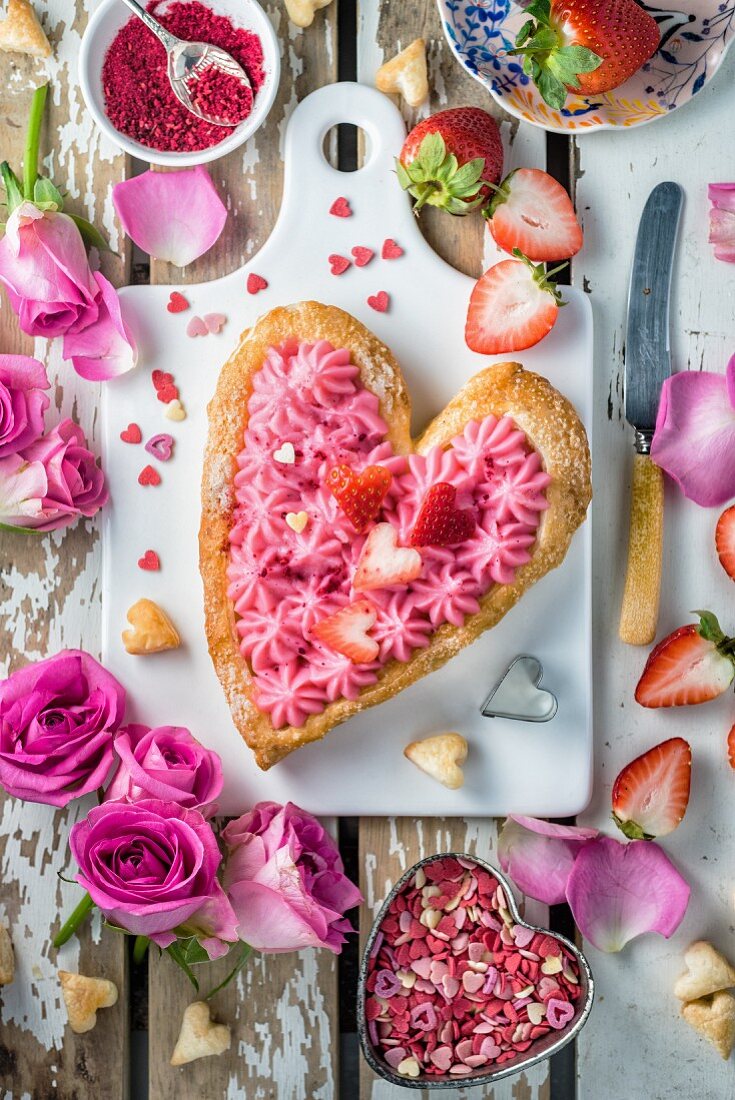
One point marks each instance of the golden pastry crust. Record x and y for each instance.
(21, 31)
(547, 418)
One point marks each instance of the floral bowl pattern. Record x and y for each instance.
(695, 37)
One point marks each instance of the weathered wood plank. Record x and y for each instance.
(49, 599)
(282, 1008)
(634, 1039)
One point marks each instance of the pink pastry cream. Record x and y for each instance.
(309, 412)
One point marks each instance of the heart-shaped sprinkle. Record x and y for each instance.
(160, 446)
(362, 255)
(422, 967)
(161, 378)
(149, 476)
(547, 987)
(167, 393)
(379, 302)
(442, 1058)
(472, 983)
(522, 935)
(551, 965)
(214, 322)
(536, 1012)
(177, 303)
(174, 410)
(196, 327)
(297, 521)
(150, 561)
(395, 1056)
(338, 264)
(341, 208)
(391, 250)
(558, 1013)
(256, 283)
(131, 434)
(285, 454)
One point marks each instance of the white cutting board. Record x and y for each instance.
(359, 768)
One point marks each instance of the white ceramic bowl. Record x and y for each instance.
(106, 21)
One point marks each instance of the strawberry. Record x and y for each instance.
(359, 495)
(383, 562)
(731, 747)
(532, 212)
(651, 794)
(513, 306)
(347, 631)
(440, 522)
(447, 159)
(589, 46)
(725, 540)
(693, 665)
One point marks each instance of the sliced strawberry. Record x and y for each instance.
(359, 495)
(532, 212)
(513, 306)
(440, 522)
(383, 562)
(731, 747)
(693, 665)
(725, 540)
(347, 632)
(651, 794)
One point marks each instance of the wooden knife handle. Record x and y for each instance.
(639, 614)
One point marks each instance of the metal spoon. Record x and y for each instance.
(187, 61)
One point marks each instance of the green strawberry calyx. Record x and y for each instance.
(435, 178)
(552, 64)
(543, 278)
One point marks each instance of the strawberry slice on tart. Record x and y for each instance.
(694, 664)
(383, 562)
(440, 522)
(359, 495)
(651, 793)
(512, 306)
(531, 211)
(347, 631)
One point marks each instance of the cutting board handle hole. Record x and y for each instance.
(346, 147)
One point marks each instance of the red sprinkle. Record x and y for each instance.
(362, 255)
(149, 476)
(379, 302)
(150, 561)
(177, 303)
(338, 264)
(391, 250)
(341, 208)
(167, 393)
(131, 434)
(256, 283)
(139, 100)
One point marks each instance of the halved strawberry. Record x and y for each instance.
(440, 522)
(651, 794)
(347, 631)
(359, 495)
(731, 747)
(532, 212)
(513, 306)
(725, 540)
(692, 665)
(383, 562)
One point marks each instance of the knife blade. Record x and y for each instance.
(647, 366)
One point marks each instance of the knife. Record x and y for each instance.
(647, 365)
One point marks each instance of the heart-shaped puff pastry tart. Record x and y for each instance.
(410, 549)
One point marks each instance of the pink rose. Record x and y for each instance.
(151, 867)
(75, 483)
(285, 879)
(166, 763)
(57, 722)
(23, 402)
(43, 264)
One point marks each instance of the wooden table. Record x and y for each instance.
(292, 1016)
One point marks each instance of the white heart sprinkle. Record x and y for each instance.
(297, 521)
(285, 454)
(174, 410)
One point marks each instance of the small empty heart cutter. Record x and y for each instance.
(519, 695)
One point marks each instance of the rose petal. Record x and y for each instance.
(722, 195)
(722, 234)
(22, 489)
(174, 216)
(618, 891)
(106, 348)
(539, 855)
(694, 441)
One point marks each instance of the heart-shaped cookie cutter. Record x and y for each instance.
(545, 1047)
(518, 693)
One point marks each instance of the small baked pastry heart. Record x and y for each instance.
(301, 12)
(152, 630)
(714, 1018)
(441, 757)
(21, 32)
(7, 957)
(83, 996)
(707, 972)
(199, 1036)
(406, 73)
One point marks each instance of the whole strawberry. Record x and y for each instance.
(591, 46)
(447, 159)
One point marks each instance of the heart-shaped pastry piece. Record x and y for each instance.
(714, 1018)
(707, 972)
(462, 913)
(151, 629)
(519, 695)
(492, 492)
(441, 757)
(7, 957)
(83, 996)
(200, 1036)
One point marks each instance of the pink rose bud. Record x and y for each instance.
(23, 402)
(75, 483)
(58, 718)
(275, 844)
(166, 763)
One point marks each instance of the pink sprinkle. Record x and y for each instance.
(361, 255)
(391, 250)
(395, 1056)
(341, 208)
(558, 1013)
(338, 264)
(255, 283)
(196, 327)
(522, 935)
(379, 302)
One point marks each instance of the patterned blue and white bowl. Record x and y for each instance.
(695, 37)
